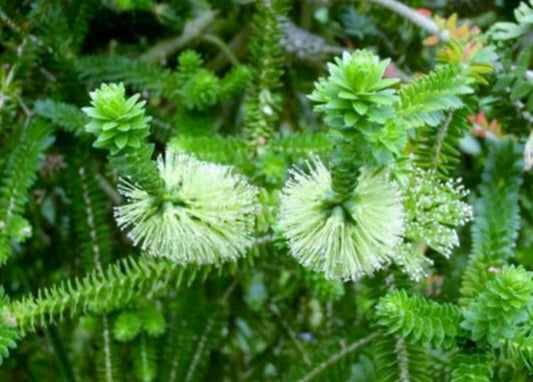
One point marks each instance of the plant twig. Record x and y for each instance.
(337, 357)
(192, 30)
(274, 309)
(413, 16)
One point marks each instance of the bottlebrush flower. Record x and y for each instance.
(345, 241)
(205, 215)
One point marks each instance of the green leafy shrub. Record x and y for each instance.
(266, 190)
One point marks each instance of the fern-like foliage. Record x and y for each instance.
(418, 319)
(79, 16)
(194, 330)
(213, 148)
(235, 82)
(66, 116)
(263, 103)
(496, 223)
(89, 211)
(18, 175)
(471, 368)
(300, 145)
(437, 147)
(190, 85)
(426, 100)
(140, 75)
(398, 360)
(121, 283)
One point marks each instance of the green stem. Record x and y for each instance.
(337, 357)
(61, 354)
(345, 164)
(219, 43)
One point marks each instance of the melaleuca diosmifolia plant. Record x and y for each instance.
(189, 204)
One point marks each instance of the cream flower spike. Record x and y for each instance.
(345, 242)
(206, 215)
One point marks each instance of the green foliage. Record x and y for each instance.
(22, 160)
(89, 212)
(135, 73)
(119, 125)
(419, 320)
(310, 216)
(426, 100)
(190, 85)
(475, 57)
(107, 358)
(471, 368)
(356, 102)
(98, 292)
(300, 145)
(355, 93)
(194, 330)
(263, 103)
(497, 221)
(437, 146)
(144, 362)
(323, 289)
(510, 83)
(234, 82)
(212, 148)
(331, 363)
(153, 321)
(201, 90)
(8, 335)
(519, 350)
(399, 360)
(127, 326)
(67, 117)
(509, 30)
(502, 306)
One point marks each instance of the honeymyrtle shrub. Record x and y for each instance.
(265, 190)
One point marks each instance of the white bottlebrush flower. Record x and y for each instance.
(345, 242)
(206, 215)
